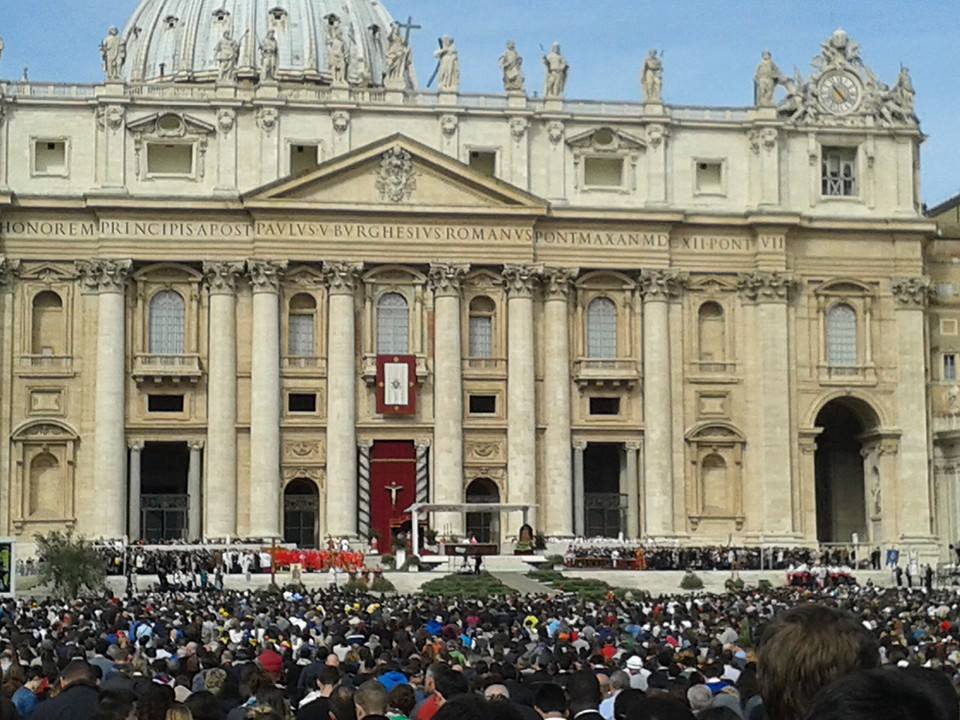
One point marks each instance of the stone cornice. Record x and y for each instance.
(662, 284)
(557, 282)
(912, 292)
(521, 280)
(760, 286)
(221, 277)
(342, 277)
(104, 275)
(447, 279)
(265, 275)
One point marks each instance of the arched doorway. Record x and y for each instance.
(840, 484)
(484, 526)
(301, 506)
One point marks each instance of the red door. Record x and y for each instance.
(393, 488)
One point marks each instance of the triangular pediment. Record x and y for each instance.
(399, 174)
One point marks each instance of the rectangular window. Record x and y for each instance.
(50, 157)
(948, 326)
(603, 172)
(838, 172)
(710, 178)
(481, 336)
(950, 366)
(172, 160)
(484, 162)
(302, 402)
(303, 159)
(604, 406)
(165, 403)
(483, 404)
(300, 342)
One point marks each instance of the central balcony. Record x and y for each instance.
(612, 372)
(148, 367)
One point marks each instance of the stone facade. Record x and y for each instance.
(631, 317)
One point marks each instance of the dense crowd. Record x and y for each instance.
(780, 654)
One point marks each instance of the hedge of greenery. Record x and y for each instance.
(467, 586)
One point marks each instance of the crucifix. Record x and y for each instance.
(407, 27)
(393, 490)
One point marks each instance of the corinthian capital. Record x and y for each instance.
(341, 277)
(222, 277)
(8, 268)
(662, 284)
(265, 274)
(521, 280)
(912, 292)
(445, 279)
(103, 274)
(558, 281)
(765, 286)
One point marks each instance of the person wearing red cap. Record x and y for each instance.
(272, 665)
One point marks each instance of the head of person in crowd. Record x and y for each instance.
(803, 650)
(583, 691)
(887, 694)
(371, 701)
(627, 704)
(550, 701)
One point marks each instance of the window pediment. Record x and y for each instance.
(706, 433)
(847, 287)
(606, 140)
(170, 125)
(712, 283)
(44, 430)
(47, 273)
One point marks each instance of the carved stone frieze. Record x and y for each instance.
(656, 134)
(397, 177)
(302, 450)
(449, 124)
(267, 118)
(226, 119)
(662, 284)
(265, 275)
(484, 450)
(521, 280)
(110, 117)
(221, 277)
(518, 127)
(765, 286)
(914, 292)
(341, 121)
(555, 131)
(763, 139)
(104, 275)
(447, 279)
(557, 282)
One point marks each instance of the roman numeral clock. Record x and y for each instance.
(839, 92)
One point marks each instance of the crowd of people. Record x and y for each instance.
(762, 654)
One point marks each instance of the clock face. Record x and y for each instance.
(839, 93)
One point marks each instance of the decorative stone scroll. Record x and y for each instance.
(397, 178)
(662, 284)
(342, 277)
(763, 139)
(765, 286)
(104, 275)
(446, 279)
(557, 282)
(110, 117)
(521, 280)
(912, 292)
(265, 275)
(222, 277)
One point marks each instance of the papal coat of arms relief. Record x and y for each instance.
(396, 179)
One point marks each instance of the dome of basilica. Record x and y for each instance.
(177, 40)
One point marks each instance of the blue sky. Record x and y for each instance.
(711, 48)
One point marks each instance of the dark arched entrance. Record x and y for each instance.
(301, 506)
(840, 490)
(603, 503)
(484, 526)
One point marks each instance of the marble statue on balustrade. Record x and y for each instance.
(652, 77)
(511, 63)
(269, 57)
(765, 80)
(113, 54)
(448, 66)
(1, 48)
(399, 61)
(336, 52)
(358, 72)
(227, 53)
(557, 72)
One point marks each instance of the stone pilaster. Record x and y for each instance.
(558, 470)
(8, 269)
(109, 279)
(342, 280)
(632, 450)
(769, 292)
(658, 287)
(265, 481)
(446, 282)
(133, 494)
(220, 498)
(579, 519)
(911, 296)
(520, 282)
(194, 483)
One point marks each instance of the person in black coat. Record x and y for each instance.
(78, 695)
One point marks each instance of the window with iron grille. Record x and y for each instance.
(482, 309)
(393, 325)
(166, 323)
(841, 336)
(838, 172)
(950, 366)
(602, 329)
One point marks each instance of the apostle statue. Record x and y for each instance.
(557, 72)
(336, 52)
(765, 80)
(397, 76)
(269, 57)
(113, 54)
(512, 66)
(448, 66)
(903, 92)
(226, 53)
(652, 77)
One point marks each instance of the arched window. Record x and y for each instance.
(601, 328)
(482, 310)
(166, 323)
(716, 491)
(45, 487)
(393, 325)
(841, 336)
(47, 326)
(712, 333)
(301, 326)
